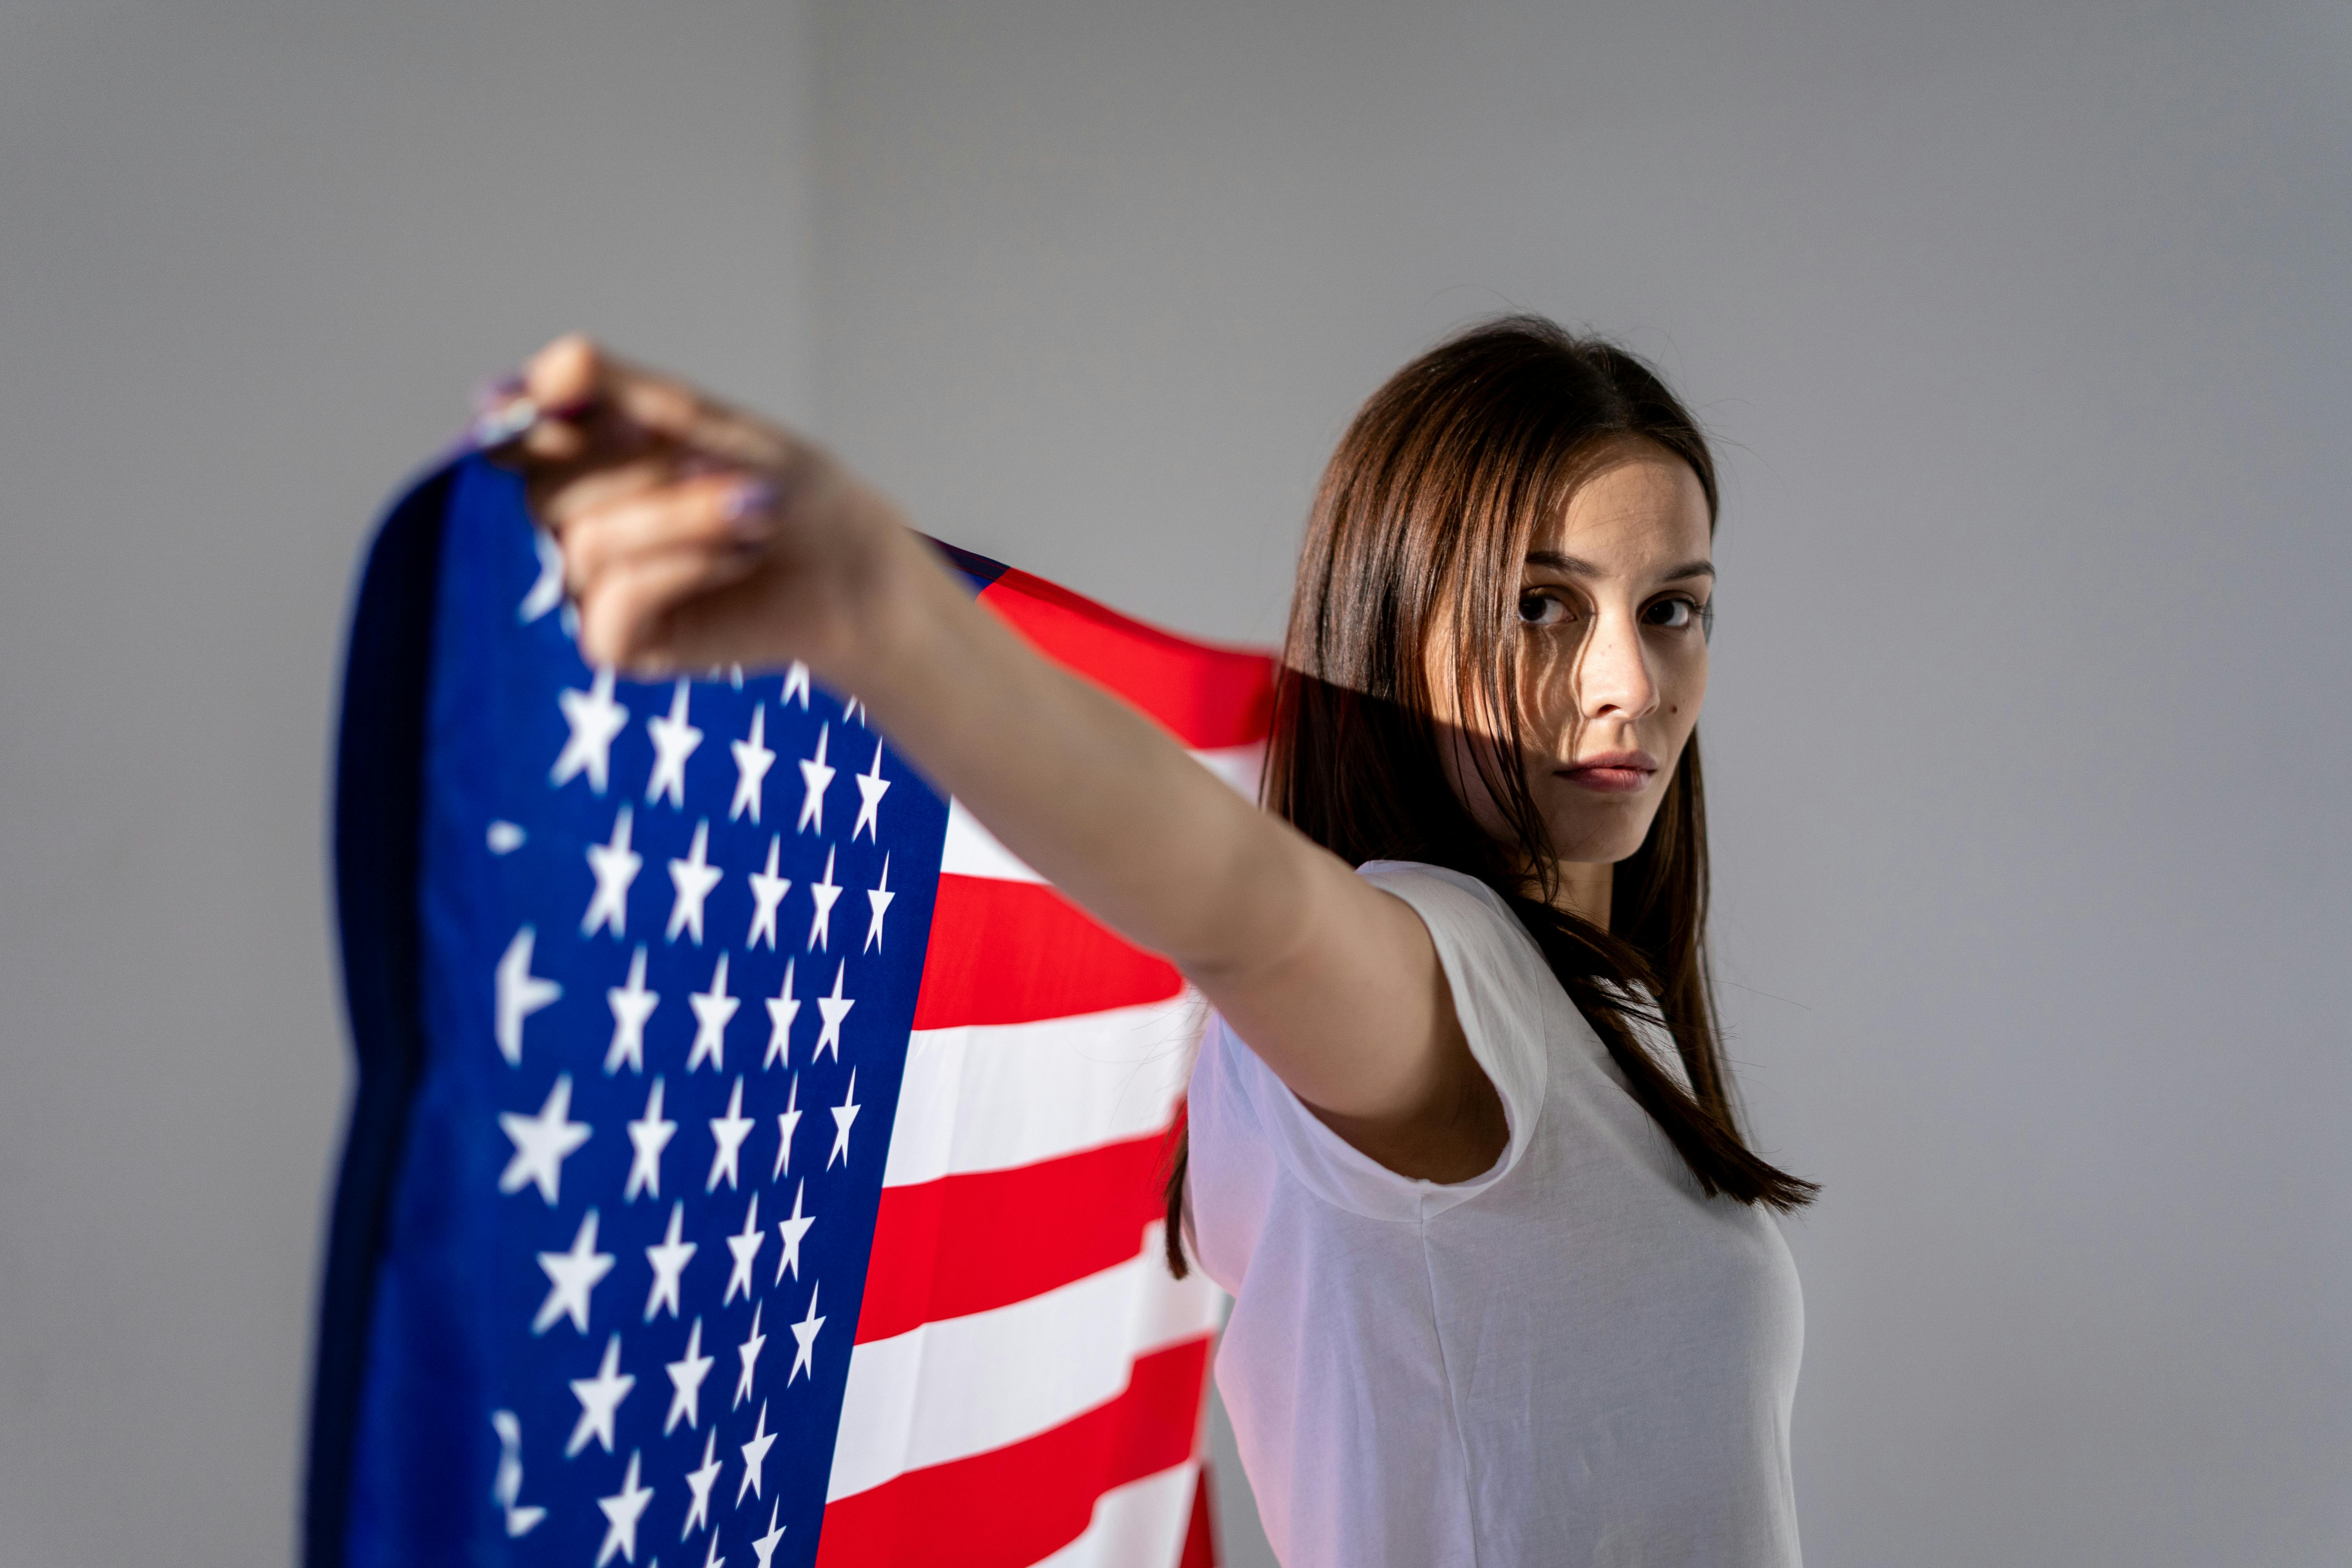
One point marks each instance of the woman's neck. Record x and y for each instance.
(1584, 888)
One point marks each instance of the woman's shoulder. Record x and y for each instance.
(1505, 994)
(1462, 914)
(1454, 895)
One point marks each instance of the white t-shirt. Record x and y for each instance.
(1574, 1359)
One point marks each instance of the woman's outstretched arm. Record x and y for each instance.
(696, 535)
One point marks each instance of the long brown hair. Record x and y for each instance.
(1420, 525)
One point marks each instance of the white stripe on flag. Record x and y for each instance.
(973, 851)
(990, 1096)
(1139, 1525)
(965, 1385)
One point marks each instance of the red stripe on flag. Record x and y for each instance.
(970, 1243)
(1201, 1535)
(1009, 1507)
(1013, 952)
(1210, 696)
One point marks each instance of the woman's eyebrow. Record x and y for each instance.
(1576, 566)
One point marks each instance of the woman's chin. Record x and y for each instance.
(1584, 841)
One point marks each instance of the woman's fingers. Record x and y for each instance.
(569, 373)
(561, 495)
(638, 561)
(590, 399)
(630, 618)
(713, 512)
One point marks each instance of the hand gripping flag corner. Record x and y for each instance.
(752, 1163)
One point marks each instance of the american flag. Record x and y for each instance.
(753, 1162)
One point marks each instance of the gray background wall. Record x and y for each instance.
(2026, 334)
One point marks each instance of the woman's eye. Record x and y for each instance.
(1541, 610)
(1674, 615)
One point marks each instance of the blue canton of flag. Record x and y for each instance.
(600, 1250)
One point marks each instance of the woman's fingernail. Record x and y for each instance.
(750, 511)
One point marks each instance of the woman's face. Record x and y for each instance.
(1612, 656)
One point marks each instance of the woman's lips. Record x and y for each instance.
(1613, 772)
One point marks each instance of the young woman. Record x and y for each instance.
(1462, 1143)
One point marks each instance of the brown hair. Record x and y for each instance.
(1420, 526)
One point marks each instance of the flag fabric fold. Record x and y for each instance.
(752, 1162)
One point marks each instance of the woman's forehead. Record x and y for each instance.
(1639, 506)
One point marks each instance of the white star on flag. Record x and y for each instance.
(745, 1245)
(542, 1142)
(851, 708)
(804, 1334)
(766, 1544)
(796, 680)
(648, 1136)
(767, 890)
(632, 1005)
(755, 1456)
(506, 1486)
(843, 1115)
(614, 866)
(710, 1557)
(871, 787)
(879, 897)
(712, 1010)
(753, 761)
(788, 1122)
(693, 877)
(749, 1352)
(831, 1011)
(793, 1230)
(674, 742)
(824, 893)
(699, 1482)
(594, 719)
(728, 1132)
(668, 1257)
(519, 995)
(686, 1376)
(547, 592)
(782, 1008)
(505, 838)
(815, 776)
(622, 1512)
(600, 1396)
(571, 1276)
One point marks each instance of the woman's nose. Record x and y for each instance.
(1614, 678)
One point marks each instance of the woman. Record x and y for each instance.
(1462, 1146)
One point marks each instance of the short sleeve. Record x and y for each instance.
(1501, 988)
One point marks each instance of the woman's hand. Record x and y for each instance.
(694, 534)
